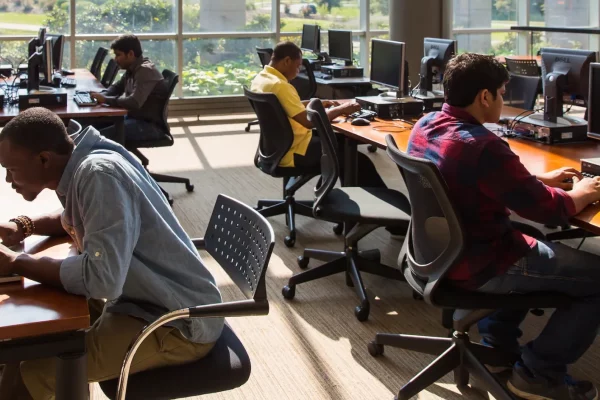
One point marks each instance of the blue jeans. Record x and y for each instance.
(135, 129)
(571, 330)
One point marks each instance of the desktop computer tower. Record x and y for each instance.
(389, 107)
(55, 98)
(340, 71)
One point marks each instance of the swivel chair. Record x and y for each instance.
(110, 73)
(434, 244)
(171, 79)
(522, 91)
(276, 138)
(227, 366)
(97, 62)
(264, 55)
(361, 209)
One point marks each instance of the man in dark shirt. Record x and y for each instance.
(142, 90)
(486, 179)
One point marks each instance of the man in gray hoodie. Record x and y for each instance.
(132, 250)
(142, 90)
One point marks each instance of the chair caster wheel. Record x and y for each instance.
(303, 262)
(372, 148)
(189, 187)
(288, 292)
(289, 241)
(417, 296)
(362, 313)
(338, 229)
(375, 349)
(247, 129)
(170, 202)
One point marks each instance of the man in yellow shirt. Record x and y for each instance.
(306, 147)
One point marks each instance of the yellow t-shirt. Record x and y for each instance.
(269, 80)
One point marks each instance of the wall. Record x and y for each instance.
(410, 22)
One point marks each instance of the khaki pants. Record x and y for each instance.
(107, 341)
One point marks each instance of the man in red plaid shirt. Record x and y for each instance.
(486, 180)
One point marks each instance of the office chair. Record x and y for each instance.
(73, 127)
(522, 91)
(171, 79)
(110, 73)
(361, 209)
(523, 67)
(97, 62)
(434, 244)
(276, 138)
(264, 55)
(234, 232)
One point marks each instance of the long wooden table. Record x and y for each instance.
(85, 82)
(537, 157)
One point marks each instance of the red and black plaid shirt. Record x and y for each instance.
(485, 179)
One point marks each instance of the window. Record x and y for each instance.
(226, 16)
(330, 14)
(212, 47)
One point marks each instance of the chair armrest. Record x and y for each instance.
(231, 309)
(199, 243)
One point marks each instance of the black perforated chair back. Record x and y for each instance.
(523, 67)
(436, 235)
(241, 241)
(110, 73)
(96, 66)
(330, 170)
(276, 135)
(264, 55)
(522, 91)
(312, 82)
(171, 80)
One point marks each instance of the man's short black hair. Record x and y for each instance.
(286, 49)
(127, 43)
(467, 74)
(38, 129)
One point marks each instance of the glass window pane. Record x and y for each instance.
(136, 16)
(561, 40)
(571, 13)
(485, 13)
(497, 43)
(13, 52)
(343, 14)
(18, 17)
(226, 16)
(380, 15)
(161, 52)
(220, 66)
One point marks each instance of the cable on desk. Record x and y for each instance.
(390, 127)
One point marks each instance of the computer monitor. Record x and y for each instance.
(340, 45)
(33, 71)
(58, 43)
(593, 103)
(388, 65)
(41, 37)
(436, 55)
(311, 38)
(47, 61)
(564, 72)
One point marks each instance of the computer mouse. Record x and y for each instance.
(360, 122)
(327, 77)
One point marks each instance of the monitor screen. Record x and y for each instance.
(57, 50)
(41, 36)
(594, 102)
(340, 44)
(387, 59)
(310, 38)
(33, 71)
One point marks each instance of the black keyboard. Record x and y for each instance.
(83, 99)
(366, 114)
(588, 175)
(68, 82)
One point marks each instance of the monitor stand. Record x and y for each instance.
(433, 100)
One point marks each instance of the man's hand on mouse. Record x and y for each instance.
(99, 97)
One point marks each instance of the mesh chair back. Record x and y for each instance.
(436, 236)
(264, 55)
(312, 82)
(522, 91)
(523, 67)
(276, 135)
(110, 73)
(171, 80)
(330, 169)
(73, 128)
(241, 241)
(97, 62)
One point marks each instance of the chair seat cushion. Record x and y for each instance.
(163, 141)
(449, 296)
(226, 367)
(379, 206)
(283, 172)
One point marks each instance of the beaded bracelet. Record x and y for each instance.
(25, 223)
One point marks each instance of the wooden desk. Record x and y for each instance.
(38, 321)
(537, 157)
(85, 82)
(340, 88)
